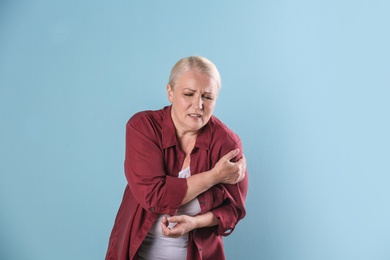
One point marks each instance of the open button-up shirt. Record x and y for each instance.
(153, 160)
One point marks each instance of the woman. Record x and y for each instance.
(186, 175)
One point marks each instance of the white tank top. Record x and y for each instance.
(156, 246)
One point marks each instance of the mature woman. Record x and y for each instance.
(186, 175)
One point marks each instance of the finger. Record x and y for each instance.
(165, 221)
(242, 176)
(230, 155)
(174, 219)
(243, 158)
(164, 229)
(242, 163)
(170, 232)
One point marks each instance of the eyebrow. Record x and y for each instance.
(189, 89)
(206, 92)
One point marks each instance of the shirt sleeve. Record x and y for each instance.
(154, 190)
(232, 209)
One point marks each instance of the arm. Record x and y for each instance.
(226, 202)
(145, 172)
(224, 216)
(224, 171)
(232, 209)
(186, 224)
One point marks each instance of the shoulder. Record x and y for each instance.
(223, 135)
(222, 140)
(146, 119)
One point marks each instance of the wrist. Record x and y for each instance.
(197, 222)
(205, 220)
(214, 176)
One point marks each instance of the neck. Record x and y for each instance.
(187, 142)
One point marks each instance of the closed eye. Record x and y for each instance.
(208, 97)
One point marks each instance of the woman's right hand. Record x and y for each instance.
(228, 172)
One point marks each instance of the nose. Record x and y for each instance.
(198, 102)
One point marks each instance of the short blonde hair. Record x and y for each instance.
(198, 63)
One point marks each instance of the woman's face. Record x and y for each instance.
(193, 100)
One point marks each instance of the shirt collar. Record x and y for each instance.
(169, 132)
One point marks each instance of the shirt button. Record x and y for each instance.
(200, 249)
(152, 209)
(203, 202)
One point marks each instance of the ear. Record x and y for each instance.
(170, 93)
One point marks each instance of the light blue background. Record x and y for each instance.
(305, 85)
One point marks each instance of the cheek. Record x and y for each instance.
(181, 104)
(210, 107)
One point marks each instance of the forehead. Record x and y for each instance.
(196, 80)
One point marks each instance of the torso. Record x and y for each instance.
(157, 246)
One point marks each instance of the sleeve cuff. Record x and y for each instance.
(226, 220)
(176, 189)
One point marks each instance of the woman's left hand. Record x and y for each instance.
(184, 224)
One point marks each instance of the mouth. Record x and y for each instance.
(195, 115)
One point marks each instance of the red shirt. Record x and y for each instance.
(152, 162)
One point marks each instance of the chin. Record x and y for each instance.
(196, 127)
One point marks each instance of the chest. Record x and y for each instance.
(175, 160)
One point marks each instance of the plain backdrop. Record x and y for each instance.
(305, 86)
